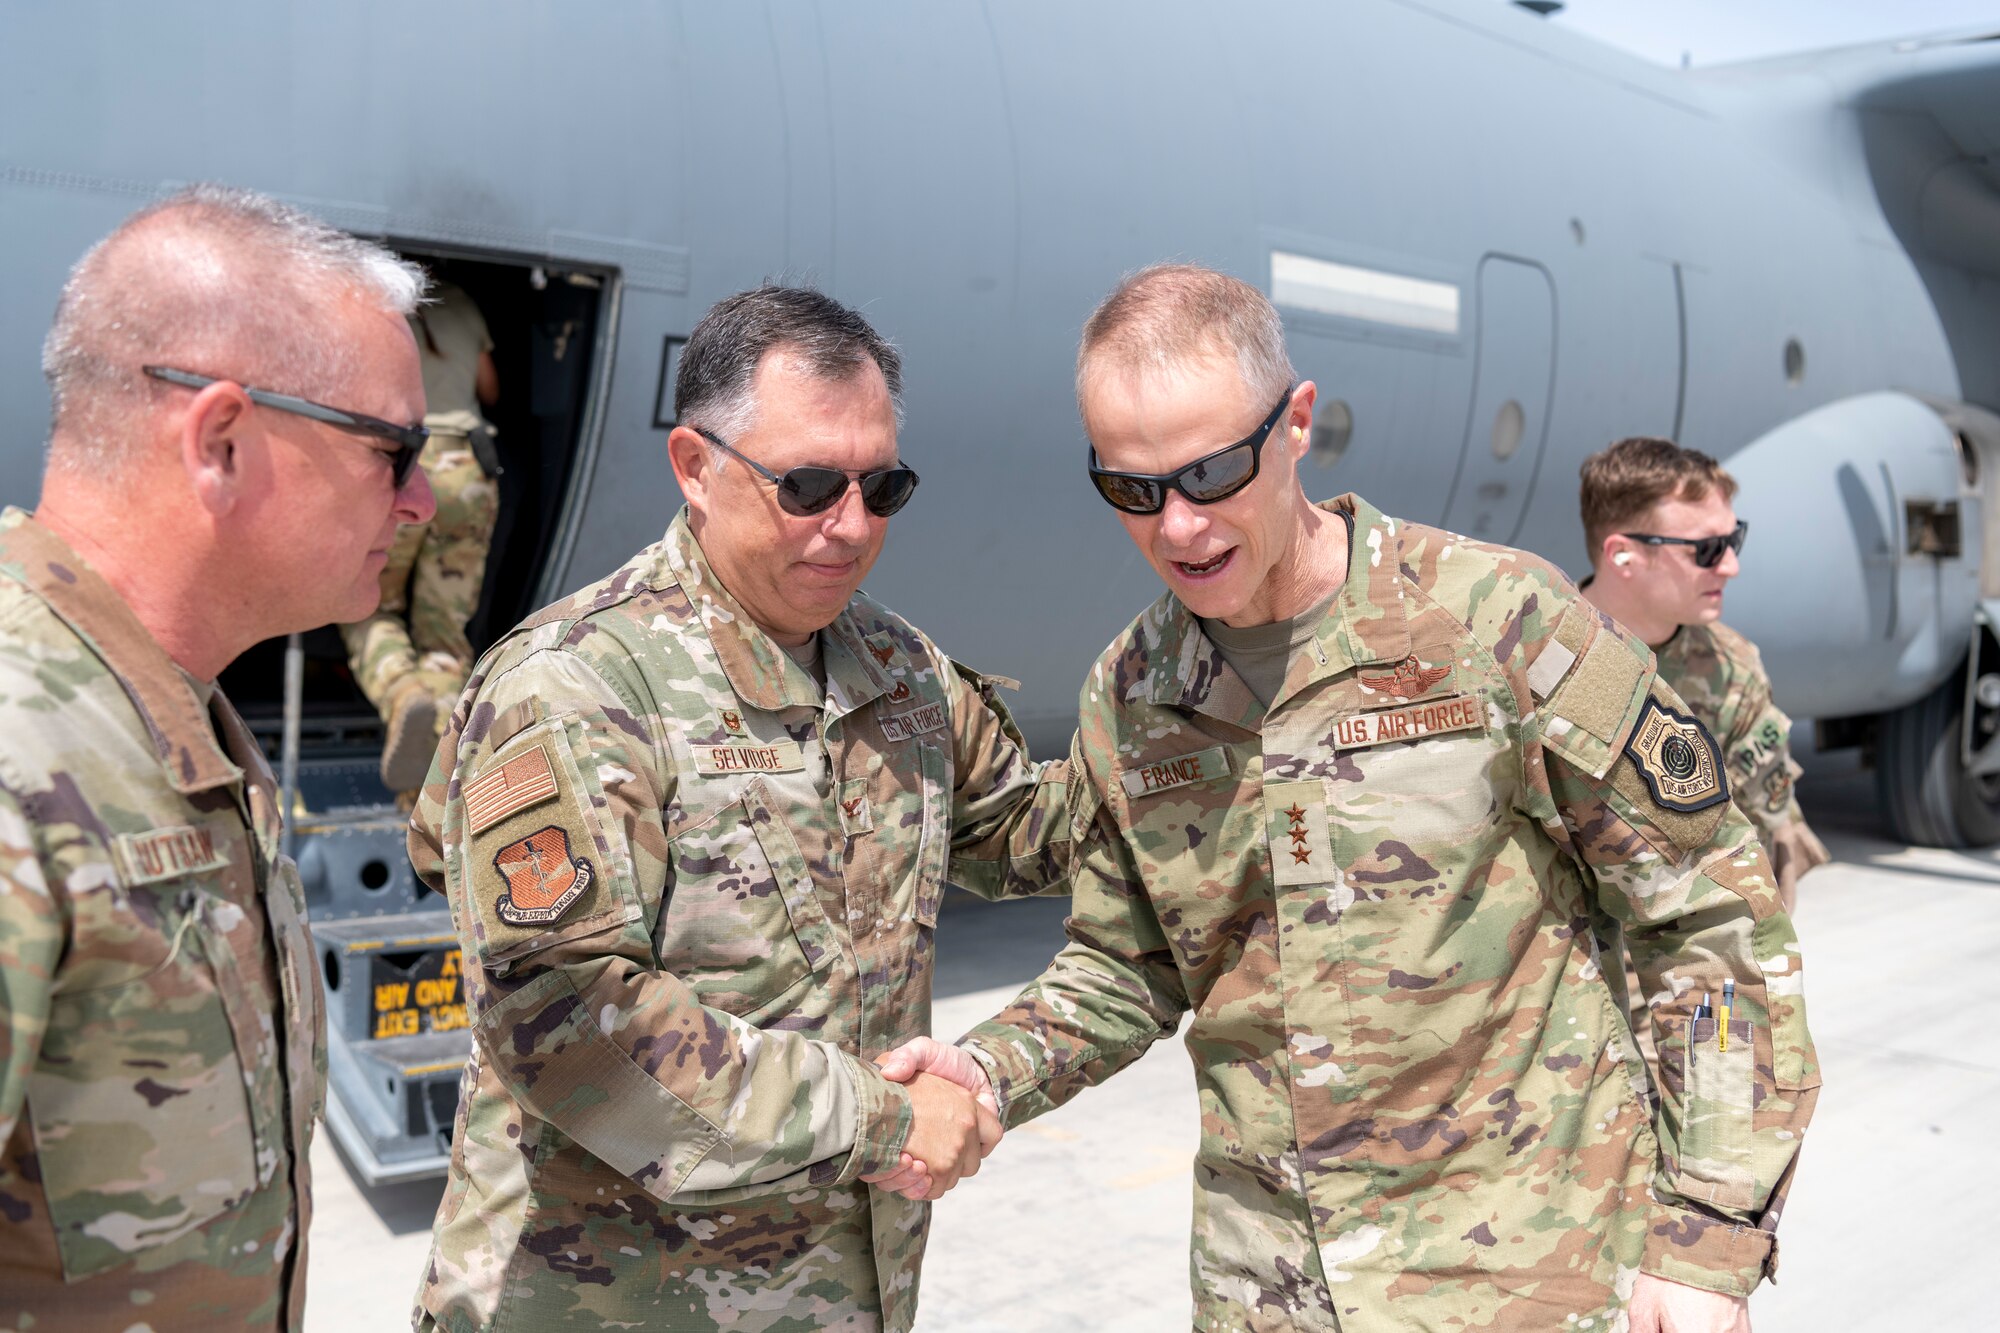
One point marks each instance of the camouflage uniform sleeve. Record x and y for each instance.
(1761, 774)
(1010, 834)
(31, 940)
(550, 844)
(1110, 994)
(1634, 790)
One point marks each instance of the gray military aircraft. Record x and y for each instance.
(1498, 245)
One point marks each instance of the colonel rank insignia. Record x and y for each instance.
(1677, 758)
(543, 879)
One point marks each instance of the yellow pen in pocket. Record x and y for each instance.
(1722, 1028)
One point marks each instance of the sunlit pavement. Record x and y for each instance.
(1079, 1221)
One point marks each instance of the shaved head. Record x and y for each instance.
(1167, 316)
(218, 281)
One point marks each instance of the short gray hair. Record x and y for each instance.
(1165, 315)
(215, 280)
(715, 385)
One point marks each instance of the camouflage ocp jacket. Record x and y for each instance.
(1380, 899)
(701, 895)
(1721, 676)
(162, 1041)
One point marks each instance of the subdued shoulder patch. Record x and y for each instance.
(526, 779)
(1679, 760)
(544, 878)
(536, 865)
(1650, 768)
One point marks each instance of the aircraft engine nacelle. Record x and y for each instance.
(1862, 574)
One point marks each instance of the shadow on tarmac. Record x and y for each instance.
(405, 1208)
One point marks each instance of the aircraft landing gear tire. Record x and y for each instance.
(1930, 798)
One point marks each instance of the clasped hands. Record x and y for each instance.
(957, 1118)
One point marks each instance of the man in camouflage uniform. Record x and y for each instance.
(161, 1037)
(1653, 512)
(1365, 847)
(698, 821)
(411, 657)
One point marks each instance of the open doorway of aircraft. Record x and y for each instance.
(1498, 245)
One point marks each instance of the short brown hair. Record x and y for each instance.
(1623, 482)
(1167, 314)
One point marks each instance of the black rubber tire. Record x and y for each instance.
(1929, 798)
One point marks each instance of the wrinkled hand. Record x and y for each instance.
(1660, 1306)
(923, 1056)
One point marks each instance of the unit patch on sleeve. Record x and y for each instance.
(543, 879)
(1204, 766)
(1678, 759)
(522, 781)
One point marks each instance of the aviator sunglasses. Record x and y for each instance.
(1211, 477)
(804, 491)
(1707, 550)
(409, 440)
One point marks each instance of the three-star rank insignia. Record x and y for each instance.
(1300, 839)
(1678, 759)
(1410, 679)
(543, 879)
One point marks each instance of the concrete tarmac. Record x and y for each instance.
(1079, 1221)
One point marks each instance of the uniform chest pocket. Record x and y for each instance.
(141, 1106)
(743, 925)
(1414, 810)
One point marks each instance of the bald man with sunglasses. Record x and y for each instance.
(1664, 540)
(1350, 798)
(162, 1053)
(700, 822)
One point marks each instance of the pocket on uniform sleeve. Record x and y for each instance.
(1715, 1159)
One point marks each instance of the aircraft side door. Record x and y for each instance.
(1513, 384)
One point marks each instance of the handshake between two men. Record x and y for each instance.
(956, 1118)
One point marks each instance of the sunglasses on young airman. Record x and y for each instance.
(1212, 477)
(1707, 550)
(805, 491)
(409, 440)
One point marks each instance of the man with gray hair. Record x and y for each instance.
(694, 823)
(1360, 795)
(230, 457)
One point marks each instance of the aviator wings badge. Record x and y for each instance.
(1411, 678)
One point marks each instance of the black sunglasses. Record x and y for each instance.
(1211, 477)
(1707, 550)
(805, 491)
(409, 440)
